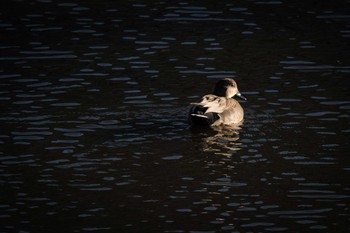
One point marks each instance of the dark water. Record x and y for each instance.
(94, 136)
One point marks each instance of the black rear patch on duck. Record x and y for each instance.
(198, 116)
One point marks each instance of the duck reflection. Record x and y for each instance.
(220, 140)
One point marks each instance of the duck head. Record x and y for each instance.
(227, 87)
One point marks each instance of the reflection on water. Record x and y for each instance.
(94, 134)
(224, 140)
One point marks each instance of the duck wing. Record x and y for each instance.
(213, 103)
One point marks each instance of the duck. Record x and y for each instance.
(218, 108)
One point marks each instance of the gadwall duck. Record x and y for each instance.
(218, 108)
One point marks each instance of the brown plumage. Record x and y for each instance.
(220, 107)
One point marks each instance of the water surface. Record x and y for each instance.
(94, 135)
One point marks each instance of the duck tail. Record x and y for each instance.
(198, 116)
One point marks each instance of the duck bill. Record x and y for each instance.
(241, 96)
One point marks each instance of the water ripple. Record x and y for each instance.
(94, 125)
